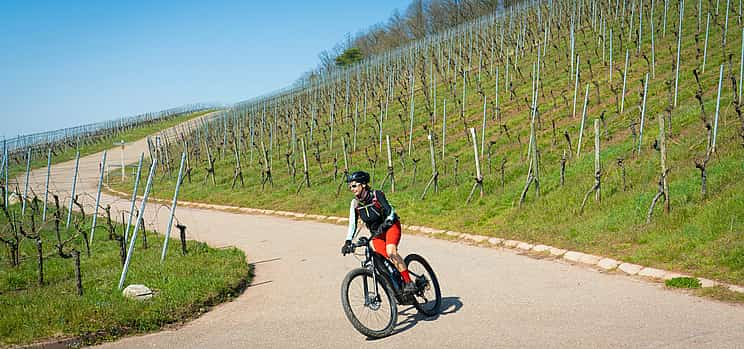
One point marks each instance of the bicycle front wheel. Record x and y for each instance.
(370, 308)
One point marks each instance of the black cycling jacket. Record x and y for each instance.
(366, 210)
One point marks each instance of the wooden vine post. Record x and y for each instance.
(267, 167)
(663, 190)
(478, 176)
(346, 168)
(304, 164)
(596, 188)
(533, 173)
(434, 173)
(391, 171)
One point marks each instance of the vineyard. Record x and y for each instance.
(64, 249)
(613, 128)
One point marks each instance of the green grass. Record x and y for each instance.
(701, 236)
(93, 146)
(186, 286)
(683, 282)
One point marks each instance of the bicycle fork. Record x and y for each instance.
(371, 301)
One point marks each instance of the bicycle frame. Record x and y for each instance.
(376, 263)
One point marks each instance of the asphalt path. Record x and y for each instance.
(493, 298)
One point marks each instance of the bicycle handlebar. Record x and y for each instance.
(361, 242)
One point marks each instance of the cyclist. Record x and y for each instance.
(379, 216)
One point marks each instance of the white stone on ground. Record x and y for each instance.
(137, 292)
(672, 275)
(511, 243)
(495, 241)
(478, 238)
(589, 259)
(525, 246)
(557, 252)
(652, 273)
(608, 264)
(630, 269)
(572, 256)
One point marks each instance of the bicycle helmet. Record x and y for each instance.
(359, 177)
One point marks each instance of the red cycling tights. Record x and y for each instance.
(390, 237)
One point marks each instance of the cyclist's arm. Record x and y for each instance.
(352, 220)
(386, 206)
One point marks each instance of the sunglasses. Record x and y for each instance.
(353, 186)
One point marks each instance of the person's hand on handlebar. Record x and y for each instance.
(347, 248)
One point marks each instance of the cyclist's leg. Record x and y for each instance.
(378, 245)
(392, 238)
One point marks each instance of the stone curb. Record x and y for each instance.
(602, 263)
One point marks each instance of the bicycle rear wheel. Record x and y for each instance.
(371, 310)
(428, 295)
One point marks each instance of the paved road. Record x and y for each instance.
(492, 298)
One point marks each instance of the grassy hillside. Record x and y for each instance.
(702, 236)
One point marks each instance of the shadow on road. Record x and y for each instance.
(410, 317)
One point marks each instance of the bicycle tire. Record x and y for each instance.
(431, 306)
(386, 294)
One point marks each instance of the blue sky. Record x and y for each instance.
(68, 63)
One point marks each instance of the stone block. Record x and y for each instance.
(672, 275)
(557, 252)
(573, 256)
(525, 246)
(608, 264)
(495, 241)
(629, 268)
(137, 292)
(478, 238)
(707, 282)
(652, 273)
(541, 248)
(589, 259)
(511, 243)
